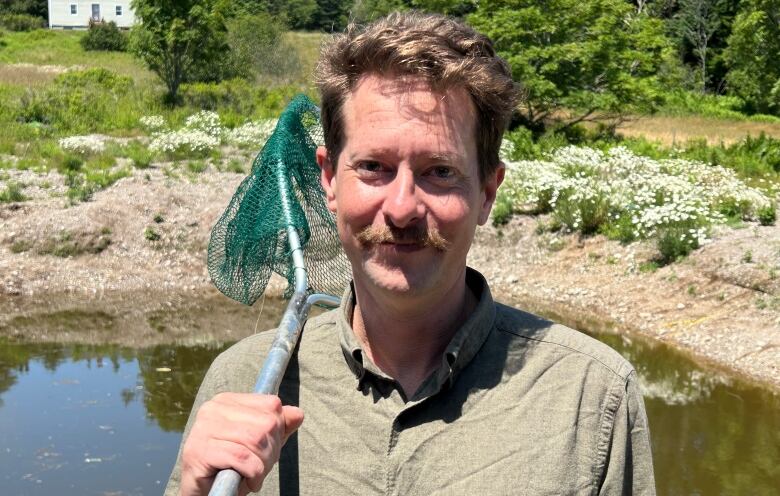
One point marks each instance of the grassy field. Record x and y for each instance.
(61, 49)
(672, 131)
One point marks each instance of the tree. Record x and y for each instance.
(696, 22)
(576, 60)
(753, 56)
(181, 40)
(37, 8)
(331, 15)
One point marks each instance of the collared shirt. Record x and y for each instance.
(518, 405)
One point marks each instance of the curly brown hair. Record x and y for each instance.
(445, 52)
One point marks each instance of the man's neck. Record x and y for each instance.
(406, 337)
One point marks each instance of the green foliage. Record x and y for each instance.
(257, 47)
(331, 15)
(595, 59)
(456, 8)
(197, 166)
(181, 41)
(502, 211)
(12, 193)
(674, 243)
(67, 245)
(680, 102)
(237, 99)
(37, 8)
(752, 55)
(79, 102)
(370, 10)
(751, 157)
(151, 235)
(104, 36)
(21, 22)
(138, 154)
(767, 215)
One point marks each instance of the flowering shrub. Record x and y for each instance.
(184, 141)
(251, 133)
(631, 197)
(203, 132)
(153, 123)
(205, 121)
(83, 144)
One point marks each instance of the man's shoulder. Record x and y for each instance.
(241, 362)
(552, 341)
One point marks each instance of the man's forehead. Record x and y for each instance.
(412, 97)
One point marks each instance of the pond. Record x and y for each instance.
(85, 419)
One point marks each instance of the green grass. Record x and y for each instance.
(12, 193)
(62, 48)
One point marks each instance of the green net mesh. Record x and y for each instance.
(249, 242)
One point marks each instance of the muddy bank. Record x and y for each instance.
(128, 267)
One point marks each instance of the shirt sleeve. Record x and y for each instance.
(629, 463)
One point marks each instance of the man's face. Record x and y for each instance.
(406, 189)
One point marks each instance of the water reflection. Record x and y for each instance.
(711, 434)
(84, 419)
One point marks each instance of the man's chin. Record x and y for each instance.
(397, 279)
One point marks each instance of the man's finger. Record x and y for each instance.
(293, 418)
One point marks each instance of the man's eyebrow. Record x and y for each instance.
(446, 157)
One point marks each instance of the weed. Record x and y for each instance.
(139, 155)
(158, 219)
(66, 245)
(502, 211)
(235, 165)
(12, 193)
(747, 256)
(767, 215)
(151, 235)
(691, 290)
(648, 267)
(197, 166)
(21, 246)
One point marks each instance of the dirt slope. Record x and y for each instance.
(722, 304)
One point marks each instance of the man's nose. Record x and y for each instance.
(402, 205)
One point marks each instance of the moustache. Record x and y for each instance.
(420, 235)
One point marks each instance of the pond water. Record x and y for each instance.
(83, 420)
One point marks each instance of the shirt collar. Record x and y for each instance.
(465, 343)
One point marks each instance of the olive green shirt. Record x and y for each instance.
(519, 405)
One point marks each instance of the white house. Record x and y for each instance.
(74, 14)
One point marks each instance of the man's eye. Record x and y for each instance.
(442, 172)
(369, 166)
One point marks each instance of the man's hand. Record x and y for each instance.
(241, 431)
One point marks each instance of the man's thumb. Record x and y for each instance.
(293, 418)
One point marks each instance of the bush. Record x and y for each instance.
(257, 48)
(80, 102)
(677, 241)
(21, 22)
(237, 99)
(12, 193)
(104, 36)
(767, 215)
(629, 197)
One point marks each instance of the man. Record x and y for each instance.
(420, 383)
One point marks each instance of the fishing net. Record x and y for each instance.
(249, 242)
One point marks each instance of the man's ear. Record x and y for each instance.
(327, 177)
(489, 189)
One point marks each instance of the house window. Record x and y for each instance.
(119, 10)
(73, 9)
